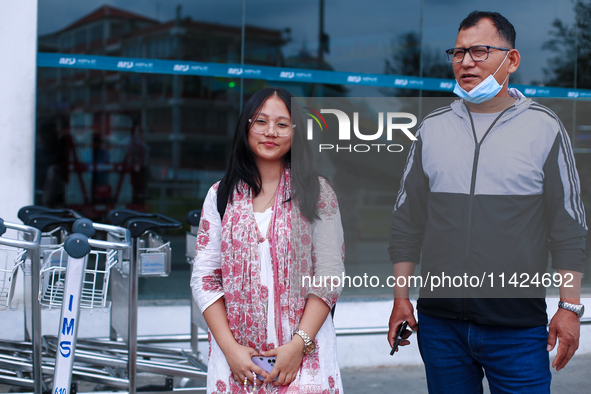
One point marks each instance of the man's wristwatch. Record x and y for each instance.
(309, 345)
(578, 309)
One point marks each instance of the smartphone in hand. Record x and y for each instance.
(266, 363)
(399, 332)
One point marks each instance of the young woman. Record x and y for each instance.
(268, 229)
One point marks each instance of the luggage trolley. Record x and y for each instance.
(54, 225)
(52, 273)
(149, 256)
(27, 356)
(78, 290)
(98, 360)
(95, 281)
(54, 260)
(26, 247)
(9, 268)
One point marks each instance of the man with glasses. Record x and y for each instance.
(490, 187)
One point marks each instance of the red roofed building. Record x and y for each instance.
(185, 122)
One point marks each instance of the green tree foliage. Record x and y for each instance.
(570, 44)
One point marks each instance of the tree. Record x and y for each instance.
(406, 60)
(571, 45)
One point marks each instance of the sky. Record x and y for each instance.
(361, 31)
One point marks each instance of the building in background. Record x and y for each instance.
(109, 138)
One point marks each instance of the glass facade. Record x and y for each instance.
(155, 142)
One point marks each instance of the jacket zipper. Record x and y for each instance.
(477, 145)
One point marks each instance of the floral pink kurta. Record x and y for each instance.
(322, 241)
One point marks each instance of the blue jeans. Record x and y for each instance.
(457, 353)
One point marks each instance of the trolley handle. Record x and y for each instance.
(138, 226)
(29, 210)
(139, 223)
(121, 216)
(18, 243)
(194, 217)
(88, 228)
(41, 221)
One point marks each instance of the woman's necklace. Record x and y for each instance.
(271, 199)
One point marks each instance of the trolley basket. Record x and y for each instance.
(9, 265)
(95, 283)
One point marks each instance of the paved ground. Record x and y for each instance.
(575, 379)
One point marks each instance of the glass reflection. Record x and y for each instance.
(156, 142)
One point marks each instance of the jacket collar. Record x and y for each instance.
(458, 107)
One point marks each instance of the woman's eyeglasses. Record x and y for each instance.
(261, 126)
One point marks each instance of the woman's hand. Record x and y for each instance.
(241, 365)
(237, 356)
(289, 359)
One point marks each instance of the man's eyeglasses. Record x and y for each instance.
(478, 53)
(261, 126)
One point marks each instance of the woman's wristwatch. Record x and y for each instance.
(309, 345)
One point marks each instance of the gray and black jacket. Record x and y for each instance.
(498, 205)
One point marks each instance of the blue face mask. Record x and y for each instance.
(484, 91)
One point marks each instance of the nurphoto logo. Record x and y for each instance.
(395, 122)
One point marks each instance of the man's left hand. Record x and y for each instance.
(564, 327)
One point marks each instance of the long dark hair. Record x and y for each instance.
(305, 187)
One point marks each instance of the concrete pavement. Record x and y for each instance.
(575, 378)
